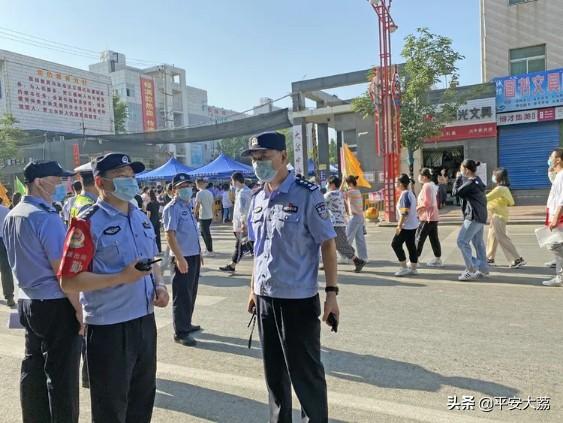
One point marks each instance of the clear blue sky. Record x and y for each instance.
(239, 51)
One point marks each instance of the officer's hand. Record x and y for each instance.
(251, 302)
(201, 260)
(182, 264)
(161, 298)
(80, 319)
(331, 306)
(130, 274)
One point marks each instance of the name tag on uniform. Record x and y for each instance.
(290, 208)
(112, 230)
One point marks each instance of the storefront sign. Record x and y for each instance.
(148, 104)
(454, 133)
(530, 116)
(481, 110)
(529, 91)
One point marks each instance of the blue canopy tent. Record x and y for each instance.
(222, 167)
(165, 172)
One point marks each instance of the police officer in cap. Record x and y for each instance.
(107, 251)
(183, 238)
(89, 193)
(289, 222)
(34, 236)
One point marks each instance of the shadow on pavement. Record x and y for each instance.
(224, 280)
(212, 405)
(229, 345)
(388, 373)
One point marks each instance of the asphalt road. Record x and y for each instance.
(404, 348)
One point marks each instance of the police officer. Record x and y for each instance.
(89, 193)
(103, 248)
(183, 238)
(289, 222)
(34, 235)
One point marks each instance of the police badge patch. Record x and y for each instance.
(321, 210)
(77, 239)
(147, 225)
(112, 230)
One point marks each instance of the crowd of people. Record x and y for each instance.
(89, 276)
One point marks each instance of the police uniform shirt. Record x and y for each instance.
(177, 216)
(34, 234)
(104, 240)
(288, 227)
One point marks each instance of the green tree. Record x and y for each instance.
(429, 59)
(333, 152)
(10, 136)
(233, 146)
(120, 114)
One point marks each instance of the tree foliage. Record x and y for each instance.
(10, 136)
(120, 114)
(429, 60)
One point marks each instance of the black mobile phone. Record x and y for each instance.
(145, 265)
(331, 320)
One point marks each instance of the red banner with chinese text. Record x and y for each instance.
(148, 104)
(453, 133)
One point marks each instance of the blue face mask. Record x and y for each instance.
(549, 164)
(125, 188)
(264, 170)
(60, 192)
(185, 194)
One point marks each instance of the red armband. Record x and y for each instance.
(78, 249)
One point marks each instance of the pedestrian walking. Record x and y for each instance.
(429, 217)
(471, 190)
(204, 201)
(289, 224)
(443, 187)
(226, 203)
(107, 257)
(355, 230)
(243, 245)
(181, 232)
(34, 236)
(335, 205)
(5, 269)
(498, 201)
(407, 225)
(554, 215)
(153, 213)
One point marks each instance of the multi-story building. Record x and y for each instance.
(156, 97)
(520, 36)
(265, 105)
(200, 153)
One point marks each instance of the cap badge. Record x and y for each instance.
(253, 141)
(125, 159)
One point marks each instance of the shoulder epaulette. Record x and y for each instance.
(306, 184)
(89, 212)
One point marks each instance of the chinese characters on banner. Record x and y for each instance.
(452, 133)
(76, 154)
(148, 104)
(529, 91)
(61, 94)
(298, 149)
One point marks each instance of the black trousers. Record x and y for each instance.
(6, 273)
(156, 226)
(428, 229)
(290, 333)
(406, 236)
(184, 293)
(122, 370)
(243, 245)
(204, 227)
(50, 368)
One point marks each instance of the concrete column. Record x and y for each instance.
(322, 137)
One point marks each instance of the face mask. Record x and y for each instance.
(185, 193)
(551, 176)
(60, 192)
(264, 170)
(420, 181)
(549, 163)
(494, 179)
(125, 188)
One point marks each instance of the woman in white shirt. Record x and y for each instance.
(407, 225)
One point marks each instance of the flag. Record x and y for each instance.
(351, 166)
(4, 196)
(19, 187)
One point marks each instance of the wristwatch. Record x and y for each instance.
(332, 289)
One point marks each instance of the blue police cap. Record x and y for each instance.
(265, 141)
(42, 169)
(111, 161)
(180, 178)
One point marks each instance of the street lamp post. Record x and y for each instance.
(385, 96)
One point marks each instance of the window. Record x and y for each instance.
(513, 2)
(128, 92)
(527, 59)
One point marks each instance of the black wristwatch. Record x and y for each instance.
(332, 289)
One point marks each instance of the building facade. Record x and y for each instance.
(520, 36)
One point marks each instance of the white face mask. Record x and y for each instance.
(420, 180)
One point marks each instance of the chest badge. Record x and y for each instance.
(257, 209)
(146, 225)
(185, 213)
(290, 208)
(112, 230)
